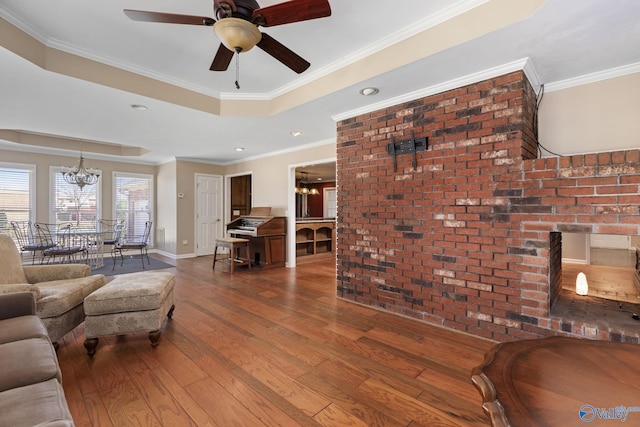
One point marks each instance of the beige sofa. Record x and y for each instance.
(31, 391)
(59, 290)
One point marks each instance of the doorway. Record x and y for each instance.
(326, 171)
(240, 189)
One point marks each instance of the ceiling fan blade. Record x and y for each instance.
(168, 18)
(222, 59)
(291, 11)
(283, 53)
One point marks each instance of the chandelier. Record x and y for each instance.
(79, 175)
(303, 189)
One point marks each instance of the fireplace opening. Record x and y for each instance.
(611, 266)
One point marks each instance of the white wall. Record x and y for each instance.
(584, 119)
(271, 174)
(575, 248)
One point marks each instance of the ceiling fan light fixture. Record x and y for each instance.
(237, 34)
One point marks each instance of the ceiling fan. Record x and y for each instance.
(237, 27)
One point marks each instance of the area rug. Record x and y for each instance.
(132, 264)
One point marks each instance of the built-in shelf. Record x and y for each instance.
(314, 238)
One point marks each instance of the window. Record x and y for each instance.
(72, 204)
(17, 194)
(133, 202)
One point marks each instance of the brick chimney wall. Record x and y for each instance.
(464, 239)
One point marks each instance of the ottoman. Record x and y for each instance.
(135, 302)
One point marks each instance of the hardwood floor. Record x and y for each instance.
(274, 348)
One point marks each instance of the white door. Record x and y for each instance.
(209, 224)
(330, 203)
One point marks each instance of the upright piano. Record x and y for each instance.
(267, 236)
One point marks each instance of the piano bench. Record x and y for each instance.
(234, 245)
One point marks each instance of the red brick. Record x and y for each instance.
(604, 159)
(632, 156)
(460, 238)
(617, 189)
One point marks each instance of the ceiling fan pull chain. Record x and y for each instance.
(237, 69)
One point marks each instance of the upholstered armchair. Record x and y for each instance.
(59, 289)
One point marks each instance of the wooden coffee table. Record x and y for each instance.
(560, 381)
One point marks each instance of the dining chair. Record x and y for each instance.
(28, 241)
(133, 242)
(111, 230)
(59, 241)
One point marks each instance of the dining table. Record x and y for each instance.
(560, 381)
(90, 240)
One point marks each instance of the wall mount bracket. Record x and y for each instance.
(412, 145)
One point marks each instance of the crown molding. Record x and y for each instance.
(19, 23)
(285, 151)
(103, 59)
(262, 156)
(611, 73)
(21, 148)
(198, 160)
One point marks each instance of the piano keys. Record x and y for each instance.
(267, 238)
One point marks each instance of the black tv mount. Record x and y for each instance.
(412, 145)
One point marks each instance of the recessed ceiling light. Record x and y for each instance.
(319, 179)
(368, 91)
(139, 107)
(296, 133)
(239, 148)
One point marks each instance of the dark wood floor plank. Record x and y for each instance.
(409, 326)
(108, 367)
(73, 381)
(192, 319)
(396, 403)
(384, 355)
(96, 410)
(86, 405)
(276, 373)
(187, 402)
(126, 406)
(347, 402)
(174, 361)
(333, 415)
(341, 374)
(357, 362)
(222, 408)
(274, 348)
(164, 406)
(76, 357)
(261, 406)
(321, 330)
(461, 388)
(183, 339)
(244, 352)
(266, 333)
